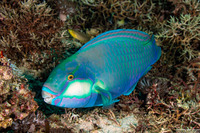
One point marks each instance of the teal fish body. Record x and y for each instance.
(102, 70)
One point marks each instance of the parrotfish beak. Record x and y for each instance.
(47, 96)
(78, 94)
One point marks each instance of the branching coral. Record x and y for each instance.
(182, 111)
(32, 123)
(29, 32)
(16, 100)
(185, 7)
(170, 106)
(183, 34)
(107, 14)
(31, 35)
(179, 37)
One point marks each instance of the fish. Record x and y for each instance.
(103, 69)
(79, 36)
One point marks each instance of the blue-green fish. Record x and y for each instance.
(106, 67)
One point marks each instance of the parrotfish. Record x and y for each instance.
(103, 69)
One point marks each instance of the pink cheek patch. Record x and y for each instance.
(57, 101)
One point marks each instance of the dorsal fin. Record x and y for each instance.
(136, 35)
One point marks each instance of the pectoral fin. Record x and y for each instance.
(105, 95)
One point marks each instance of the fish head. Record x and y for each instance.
(68, 86)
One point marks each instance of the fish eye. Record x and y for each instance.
(70, 77)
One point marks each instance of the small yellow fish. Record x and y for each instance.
(79, 36)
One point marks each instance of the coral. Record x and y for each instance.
(167, 104)
(92, 32)
(92, 120)
(60, 130)
(32, 123)
(153, 89)
(89, 2)
(182, 111)
(168, 98)
(16, 100)
(179, 38)
(165, 100)
(185, 7)
(183, 34)
(29, 33)
(194, 69)
(66, 9)
(170, 106)
(107, 15)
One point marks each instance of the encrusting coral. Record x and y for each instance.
(16, 100)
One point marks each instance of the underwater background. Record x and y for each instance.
(35, 37)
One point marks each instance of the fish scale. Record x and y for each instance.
(103, 69)
(117, 64)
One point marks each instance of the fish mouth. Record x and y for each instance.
(48, 97)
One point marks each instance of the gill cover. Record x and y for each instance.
(67, 86)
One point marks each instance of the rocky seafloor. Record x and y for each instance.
(34, 38)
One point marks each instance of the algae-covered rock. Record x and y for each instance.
(16, 100)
